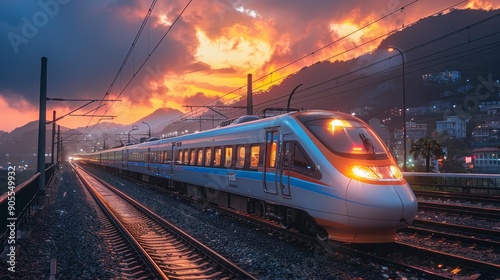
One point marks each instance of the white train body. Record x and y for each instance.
(322, 171)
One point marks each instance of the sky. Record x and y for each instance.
(188, 53)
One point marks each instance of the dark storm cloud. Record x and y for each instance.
(85, 43)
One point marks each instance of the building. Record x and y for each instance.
(414, 132)
(453, 126)
(361, 111)
(441, 77)
(486, 133)
(486, 160)
(381, 130)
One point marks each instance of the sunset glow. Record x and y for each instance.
(233, 50)
(207, 54)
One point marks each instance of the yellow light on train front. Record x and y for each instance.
(339, 123)
(388, 172)
(364, 172)
(396, 172)
(336, 123)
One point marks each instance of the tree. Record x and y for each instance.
(426, 148)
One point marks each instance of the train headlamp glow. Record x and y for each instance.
(377, 172)
(364, 172)
(396, 172)
(338, 123)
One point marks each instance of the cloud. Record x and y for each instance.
(210, 50)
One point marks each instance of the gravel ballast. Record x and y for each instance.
(66, 230)
(69, 229)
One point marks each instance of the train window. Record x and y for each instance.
(164, 157)
(192, 156)
(287, 153)
(299, 159)
(348, 137)
(272, 155)
(178, 156)
(217, 156)
(254, 156)
(228, 159)
(186, 156)
(208, 156)
(168, 156)
(240, 156)
(200, 157)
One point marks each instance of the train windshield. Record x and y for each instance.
(348, 138)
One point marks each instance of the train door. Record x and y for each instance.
(286, 155)
(271, 163)
(148, 159)
(124, 158)
(173, 160)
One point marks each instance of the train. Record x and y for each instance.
(322, 172)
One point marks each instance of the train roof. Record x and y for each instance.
(301, 116)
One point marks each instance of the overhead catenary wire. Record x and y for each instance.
(301, 58)
(190, 113)
(131, 49)
(329, 58)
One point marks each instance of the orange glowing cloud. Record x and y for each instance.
(12, 115)
(213, 47)
(233, 50)
(480, 4)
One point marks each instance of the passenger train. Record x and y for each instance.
(324, 172)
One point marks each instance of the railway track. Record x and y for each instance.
(488, 213)
(459, 234)
(416, 261)
(399, 255)
(167, 251)
(480, 198)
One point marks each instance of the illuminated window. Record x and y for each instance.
(228, 160)
(186, 156)
(200, 157)
(240, 157)
(217, 156)
(192, 157)
(272, 155)
(178, 156)
(208, 156)
(254, 156)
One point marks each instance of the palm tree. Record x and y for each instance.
(426, 148)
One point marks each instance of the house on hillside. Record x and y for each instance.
(453, 126)
(486, 160)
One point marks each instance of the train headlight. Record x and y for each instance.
(364, 172)
(375, 173)
(396, 172)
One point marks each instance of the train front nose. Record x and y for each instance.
(376, 211)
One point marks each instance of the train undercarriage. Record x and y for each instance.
(287, 217)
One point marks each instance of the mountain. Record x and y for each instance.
(159, 117)
(20, 146)
(461, 40)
